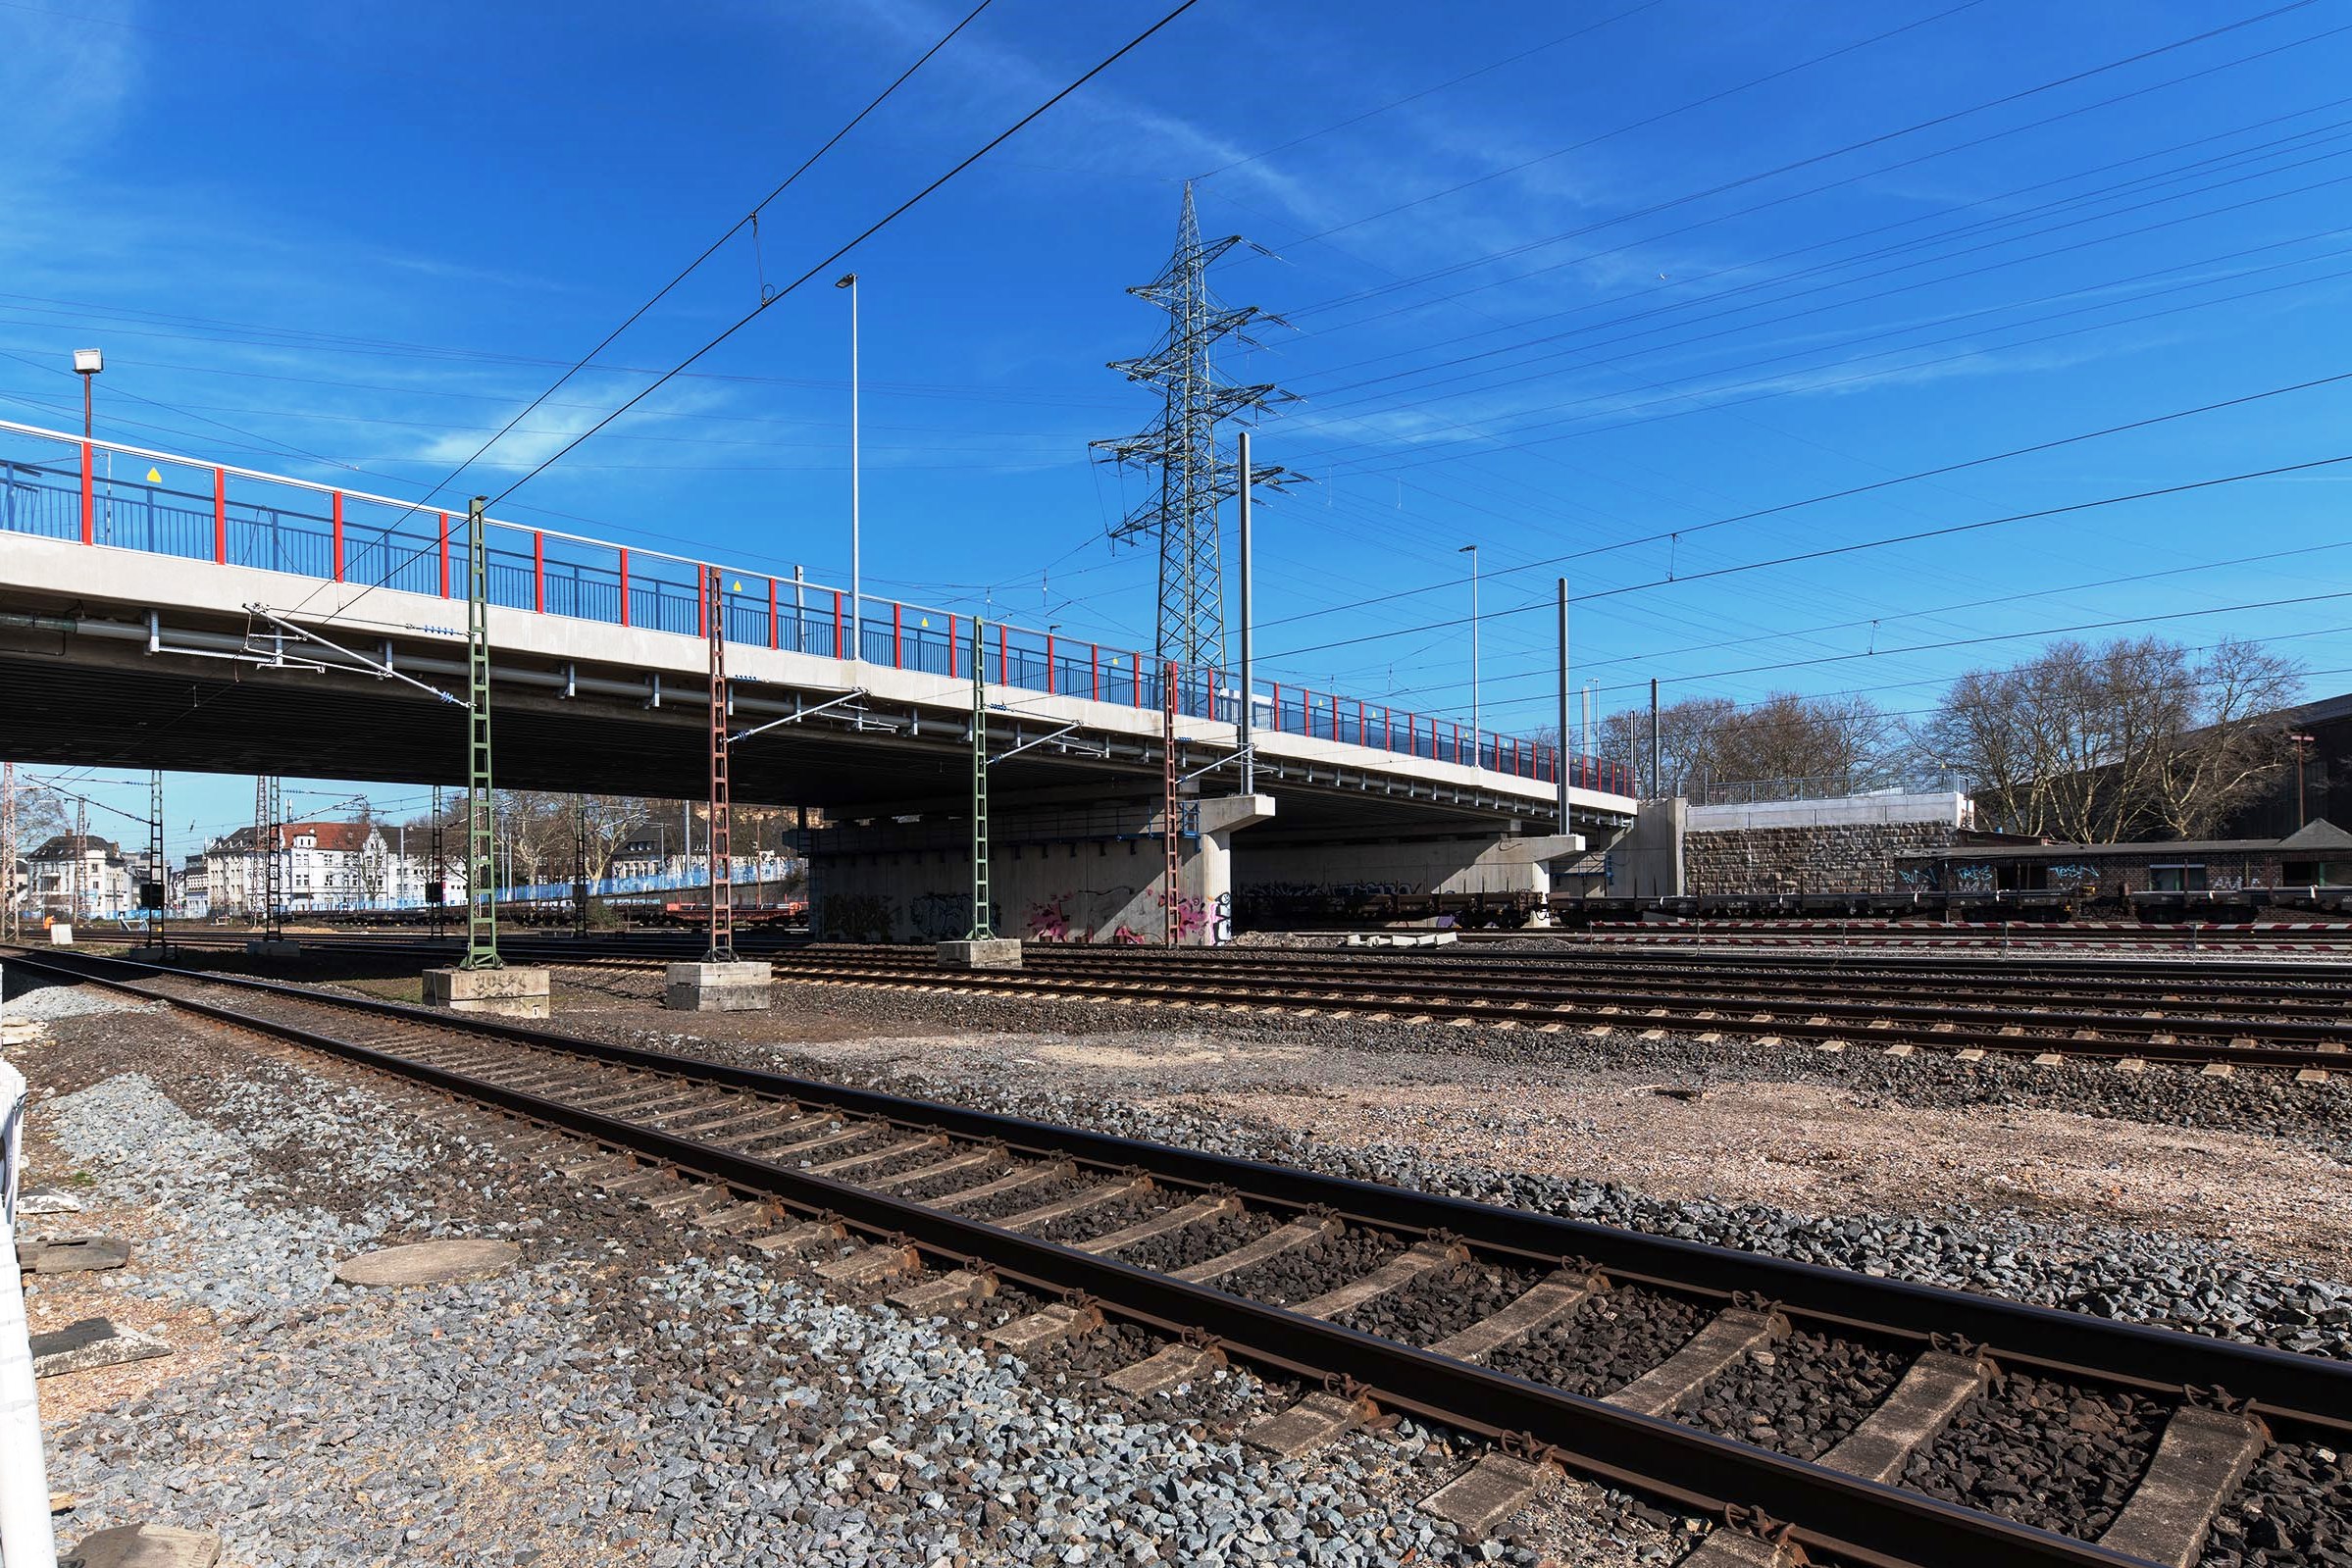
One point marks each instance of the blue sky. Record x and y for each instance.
(1562, 281)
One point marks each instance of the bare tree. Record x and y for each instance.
(1793, 744)
(2096, 745)
(2204, 775)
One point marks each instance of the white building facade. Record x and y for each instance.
(326, 865)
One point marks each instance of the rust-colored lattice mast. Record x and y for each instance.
(1167, 752)
(718, 836)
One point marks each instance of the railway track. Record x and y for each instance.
(2301, 1028)
(1507, 1324)
(2292, 937)
(2208, 1015)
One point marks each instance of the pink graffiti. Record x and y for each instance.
(1049, 923)
(1191, 916)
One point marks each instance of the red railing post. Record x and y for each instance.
(1048, 662)
(1275, 686)
(90, 499)
(219, 516)
(444, 555)
(1003, 659)
(338, 535)
(1093, 658)
(1136, 665)
(898, 643)
(836, 625)
(951, 646)
(624, 586)
(773, 641)
(538, 572)
(1362, 735)
(702, 602)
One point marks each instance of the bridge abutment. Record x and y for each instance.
(1288, 884)
(1092, 875)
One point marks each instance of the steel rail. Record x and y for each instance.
(1574, 979)
(1911, 1025)
(2064, 965)
(2298, 1388)
(1858, 1521)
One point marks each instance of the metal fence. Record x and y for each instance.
(102, 493)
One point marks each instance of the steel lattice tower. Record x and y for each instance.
(1180, 448)
(10, 923)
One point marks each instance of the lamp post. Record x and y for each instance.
(1471, 551)
(87, 363)
(2302, 744)
(857, 637)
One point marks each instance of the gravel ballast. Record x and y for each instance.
(2042, 1452)
(632, 1392)
(2130, 1272)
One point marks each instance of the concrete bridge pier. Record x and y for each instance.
(1093, 874)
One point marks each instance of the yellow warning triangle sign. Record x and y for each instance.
(154, 478)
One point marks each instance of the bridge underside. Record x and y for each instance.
(75, 700)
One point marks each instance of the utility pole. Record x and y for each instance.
(718, 836)
(2302, 744)
(1560, 754)
(1471, 551)
(1188, 478)
(580, 875)
(253, 861)
(1248, 748)
(437, 887)
(857, 637)
(1657, 783)
(273, 862)
(1167, 825)
(82, 856)
(151, 894)
(482, 892)
(11, 924)
(984, 920)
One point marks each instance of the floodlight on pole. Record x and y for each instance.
(87, 363)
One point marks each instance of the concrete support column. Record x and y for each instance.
(1211, 868)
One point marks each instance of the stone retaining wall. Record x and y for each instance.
(1826, 858)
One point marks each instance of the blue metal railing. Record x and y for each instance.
(368, 540)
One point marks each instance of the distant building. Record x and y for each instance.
(2324, 774)
(324, 865)
(2319, 853)
(192, 888)
(105, 886)
(643, 849)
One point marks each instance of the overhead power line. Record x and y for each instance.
(1825, 552)
(871, 230)
(1848, 493)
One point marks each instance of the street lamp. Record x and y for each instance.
(857, 637)
(87, 363)
(2302, 744)
(1471, 551)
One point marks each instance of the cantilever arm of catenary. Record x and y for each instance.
(828, 705)
(1092, 748)
(382, 667)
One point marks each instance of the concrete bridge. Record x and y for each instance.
(198, 616)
